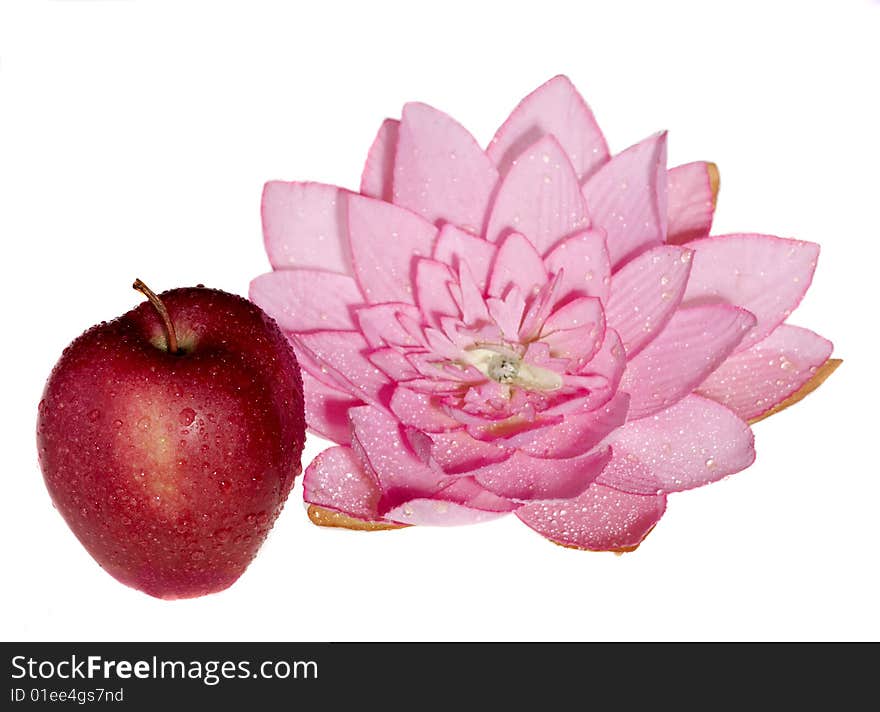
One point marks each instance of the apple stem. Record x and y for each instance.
(163, 312)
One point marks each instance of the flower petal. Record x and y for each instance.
(578, 433)
(522, 477)
(575, 330)
(627, 197)
(440, 172)
(819, 377)
(336, 480)
(553, 108)
(508, 313)
(380, 325)
(462, 502)
(600, 519)
(455, 247)
(393, 364)
(694, 343)
(456, 452)
(433, 297)
(327, 408)
(385, 240)
(693, 190)
(517, 263)
(400, 473)
(307, 299)
(419, 410)
(304, 225)
(753, 381)
(692, 443)
(344, 353)
(596, 381)
(645, 292)
(323, 517)
(539, 197)
(376, 179)
(766, 275)
(584, 263)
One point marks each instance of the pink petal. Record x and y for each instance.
(753, 381)
(584, 263)
(766, 275)
(393, 364)
(692, 191)
(473, 305)
(546, 299)
(380, 325)
(627, 197)
(553, 108)
(304, 225)
(692, 443)
(307, 299)
(645, 293)
(419, 410)
(580, 312)
(578, 433)
(601, 519)
(343, 352)
(694, 343)
(433, 297)
(438, 511)
(376, 180)
(522, 477)
(508, 312)
(336, 479)
(439, 171)
(599, 377)
(327, 409)
(467, 491)
(455, 247)
(517, 263)
(385, 240)
(575, 330)
(400, 473)
(456, 452)
(539, 197)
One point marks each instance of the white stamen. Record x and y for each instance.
(507, 367)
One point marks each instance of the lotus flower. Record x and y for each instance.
(539, 328)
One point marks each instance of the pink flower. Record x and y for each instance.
(538, 328)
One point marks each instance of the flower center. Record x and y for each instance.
(508, 368)
(503, 369)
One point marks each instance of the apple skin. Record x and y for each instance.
(170, 468)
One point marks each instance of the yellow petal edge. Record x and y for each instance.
(331, 518)
(714, 182)
(822, 373)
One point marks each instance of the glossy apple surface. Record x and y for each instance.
(171, 468)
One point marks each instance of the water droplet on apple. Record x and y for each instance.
(222, 535)
(94, 415)
(186, 416)
(144, 423)
(117, 423)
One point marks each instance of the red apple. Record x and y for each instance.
(170, 437)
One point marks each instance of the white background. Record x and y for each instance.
(135, 138)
